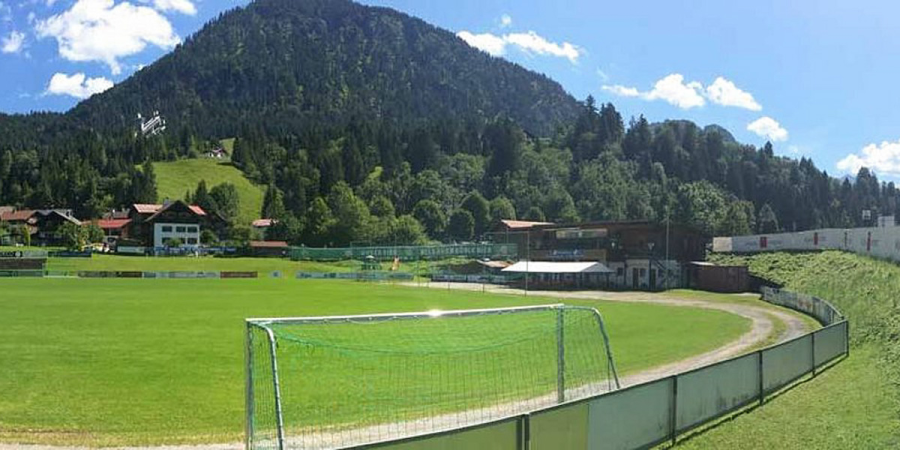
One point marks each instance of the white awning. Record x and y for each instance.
(557, 267)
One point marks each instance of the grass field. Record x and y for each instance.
(855, 404)
(102, 262)
(132, 362)
(175, 178)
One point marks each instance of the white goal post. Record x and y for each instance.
(344, 381)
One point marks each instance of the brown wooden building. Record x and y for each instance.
(643, 254)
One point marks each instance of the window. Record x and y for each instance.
(166, 229)
(179, 229)
(643, 272)
(620, 271)
(192, 241)
(192, 229)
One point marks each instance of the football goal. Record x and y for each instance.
(343, 381)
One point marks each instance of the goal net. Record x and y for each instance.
(342, 381)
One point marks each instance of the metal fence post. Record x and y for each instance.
(812, 339)
(846, 337)
(762, 389)
(560, 356)
(673, 412)
(523, 432)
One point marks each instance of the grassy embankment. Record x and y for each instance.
(855, 404)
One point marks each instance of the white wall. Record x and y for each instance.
(625, 280)
(162, 232)
(878, 242)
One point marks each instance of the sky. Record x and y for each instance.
(816, 78)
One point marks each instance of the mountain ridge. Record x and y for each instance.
(326, 61)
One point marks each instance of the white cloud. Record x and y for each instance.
(13, 43)
(529, 42)
(724, 92)
(534, 43)
(77, 85)
(622, 91)
(486, 42)
(883, 158)
(685, 95)
(182, 6)
(674, 90)
(505, 21)
(670, 88)
(768, 128)
(100, 30)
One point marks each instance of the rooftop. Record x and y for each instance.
(262, 223)
(112, 224)
(522, 224)
(147, 208)
(17, 216)
(557, 267)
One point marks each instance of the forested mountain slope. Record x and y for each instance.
(366, 124)
(288, 64)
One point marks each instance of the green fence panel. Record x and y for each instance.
(786, 362)
(711, 391)
(499, 435)
(564, 427)
(636, 417)
(407, 253)
(830, 342)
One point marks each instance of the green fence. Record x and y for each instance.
(659, 411)
(406, 253)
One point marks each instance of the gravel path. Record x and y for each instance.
(761, 329)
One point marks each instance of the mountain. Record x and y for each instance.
(305, 63)
(363, 124)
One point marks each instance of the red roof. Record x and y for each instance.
(268, 244)
(519, 224)
(17, 216)
(113, 224)
(262, 223)
(146, 208)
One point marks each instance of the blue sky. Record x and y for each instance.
(816, 78)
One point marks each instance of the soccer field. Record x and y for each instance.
(135, 362)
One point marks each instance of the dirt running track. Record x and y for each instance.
(761, 331)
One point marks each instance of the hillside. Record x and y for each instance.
(174, 178)
(314, 62)
(856, 404)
